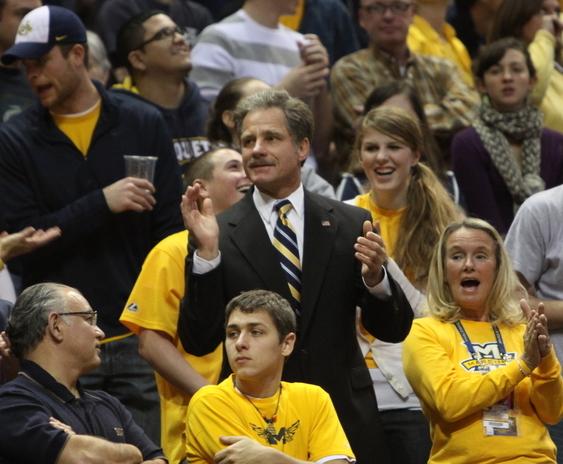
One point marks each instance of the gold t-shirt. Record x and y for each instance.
(79, 128)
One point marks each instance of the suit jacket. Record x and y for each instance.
(326, 352)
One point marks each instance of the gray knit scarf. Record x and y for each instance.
(523, 126)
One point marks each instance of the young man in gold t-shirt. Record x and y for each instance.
(252, 416)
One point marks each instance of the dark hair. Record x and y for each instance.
(298, 115)
(130, 36)
(66, 48)
(491, 54)
(511, 17)
(278, 308)
(30, 314)
(227, 100)
(201, 167)
(430, 151)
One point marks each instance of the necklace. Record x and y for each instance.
(268, 420)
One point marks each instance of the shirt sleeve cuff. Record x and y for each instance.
(334, 458)
(202, 266)
(382, 289)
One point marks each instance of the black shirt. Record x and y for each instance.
(27, 403)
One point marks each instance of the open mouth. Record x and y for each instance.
(244, 188)
(40, 89)
(384, 171)
(470, 283)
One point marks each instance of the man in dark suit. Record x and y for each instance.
(337, 264)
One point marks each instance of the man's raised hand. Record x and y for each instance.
(199, 219)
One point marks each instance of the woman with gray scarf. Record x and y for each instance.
(506, 155)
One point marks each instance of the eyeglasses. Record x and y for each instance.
(395, 7)
(91, 316)
(164, 33)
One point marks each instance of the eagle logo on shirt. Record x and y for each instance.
(271, 437)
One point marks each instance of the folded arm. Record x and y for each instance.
(243, 450)
(85, 449)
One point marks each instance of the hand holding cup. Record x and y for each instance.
(136, 191)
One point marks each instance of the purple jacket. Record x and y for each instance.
(486, 194)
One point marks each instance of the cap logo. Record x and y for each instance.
(25, 28)
(59, 38)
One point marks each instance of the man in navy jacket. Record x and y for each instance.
(61, 164)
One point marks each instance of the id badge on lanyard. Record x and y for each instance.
(499, 419)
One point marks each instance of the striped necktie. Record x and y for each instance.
(285, 241)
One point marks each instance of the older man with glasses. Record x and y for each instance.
(448, 102)
(45, 412)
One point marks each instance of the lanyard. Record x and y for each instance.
(469, 345)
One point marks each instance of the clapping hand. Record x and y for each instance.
(313, 51)
(199, 219)
(536, 336)
(309, 78)
(370, 251)
(544, 343)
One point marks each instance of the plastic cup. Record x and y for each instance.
(140, 166)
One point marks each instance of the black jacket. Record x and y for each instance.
(45, 181)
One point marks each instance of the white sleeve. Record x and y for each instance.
(202, 266)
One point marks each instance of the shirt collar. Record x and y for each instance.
(265, 204)
(39, 375)
(391, 62)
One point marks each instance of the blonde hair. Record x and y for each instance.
(429, 206)
(501, 303)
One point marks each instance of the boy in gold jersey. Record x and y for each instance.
(252, 416)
